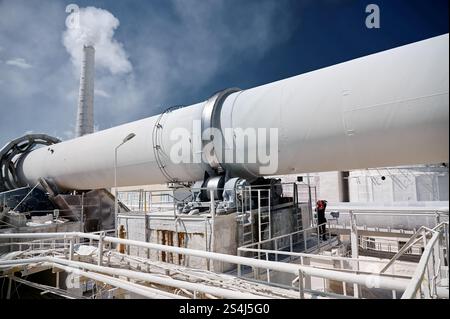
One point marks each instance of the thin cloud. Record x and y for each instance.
(101, 93)
(19, 62)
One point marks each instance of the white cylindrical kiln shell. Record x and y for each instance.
(386, 109)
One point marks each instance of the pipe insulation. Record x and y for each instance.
(385, 109)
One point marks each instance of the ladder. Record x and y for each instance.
(298, 216)
(263, 218)
(245, 219)
(264, 224)
(297, 209)
(247, 229)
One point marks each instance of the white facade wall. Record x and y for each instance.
(412, 184)
(384, 185)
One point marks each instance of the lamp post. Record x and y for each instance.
(116, 193)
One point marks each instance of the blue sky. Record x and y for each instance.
(182, 51)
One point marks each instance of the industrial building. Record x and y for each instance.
(242, 195)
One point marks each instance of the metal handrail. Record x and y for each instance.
(385, 282)
(413, 211)
(416, 282)
(412, 241)
(282, 236)
(380, 245)
(312, 256)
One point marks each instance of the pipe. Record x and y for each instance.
(362, 279)
(135, 288)
(217, 291)
(385, 109)
(47, 289)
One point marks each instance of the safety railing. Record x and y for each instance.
(285, 248)
(312, 238)
(153, 201)
(162, 201)
(323, 261)
(388, 245)
(424, 283)
(385, 281)
(390, 216)
(429, 273)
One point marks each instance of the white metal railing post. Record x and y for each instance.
(305, 243)
(329, 230)
(291, 248)
(276, 249)
(71, 249)
(433, 265)
(82, 213)
(267, 269)
(434, 278)
(427, 269)
(100, 249)
(421, 279)
(213, 219)
(57, 279)
(127, 232)
(174, 204)
(446, 248)
(438, 218)
(269, 213)
(259, 249)
(255, 273)
(344, 284)
(307, 262)
(301, 288)
(354, 246)
(65, 247)
(239, 271)
(206, 241)
(318, 237)
(259, 215)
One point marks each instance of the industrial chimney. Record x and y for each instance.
(85, 113)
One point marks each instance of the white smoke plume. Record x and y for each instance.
(94, 26)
